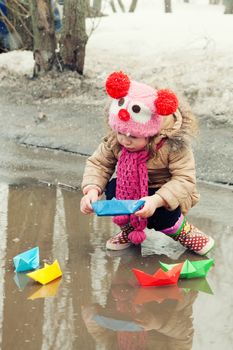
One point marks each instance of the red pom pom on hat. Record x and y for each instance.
(166, 102)
(117, 85)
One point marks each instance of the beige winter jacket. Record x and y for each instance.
(171, 169)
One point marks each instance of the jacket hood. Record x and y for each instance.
(180, 127)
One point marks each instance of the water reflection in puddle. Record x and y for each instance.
(97, 304)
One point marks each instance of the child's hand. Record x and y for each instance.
(151, 204)
(85, 204)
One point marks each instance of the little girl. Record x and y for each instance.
(150, 145)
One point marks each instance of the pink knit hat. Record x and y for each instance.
(137, 109)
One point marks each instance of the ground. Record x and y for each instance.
(59, 110)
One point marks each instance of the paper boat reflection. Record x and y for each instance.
(21, 280)
(148, 294)
(198, 284)
(117, 325)
(49, 290)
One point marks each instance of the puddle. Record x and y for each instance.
(97, 304)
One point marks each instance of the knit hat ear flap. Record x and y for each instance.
(117, 85)
(166, 102)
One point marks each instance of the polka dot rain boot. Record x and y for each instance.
(120, 240)
(192, 238)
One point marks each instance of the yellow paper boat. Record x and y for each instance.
(50, 290)
(47, 274)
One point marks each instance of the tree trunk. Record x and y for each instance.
(168, 6)
(112, 4)
(133, 5)
(88, 9)
(19, 25)
(122, 7)
(228, 7)
(214, 2)
(44, 35)
(74, 37)
(97, 6)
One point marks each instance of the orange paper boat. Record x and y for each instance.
(160, 277)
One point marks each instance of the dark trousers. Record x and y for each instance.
(160, 220)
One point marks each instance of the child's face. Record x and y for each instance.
(133, 144)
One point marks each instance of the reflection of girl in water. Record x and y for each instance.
(137, 318)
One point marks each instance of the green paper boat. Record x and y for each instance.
(191, 269)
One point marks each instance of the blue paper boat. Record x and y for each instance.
(116, 207)
(28, 260)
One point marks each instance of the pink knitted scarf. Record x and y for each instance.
(132, 183)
